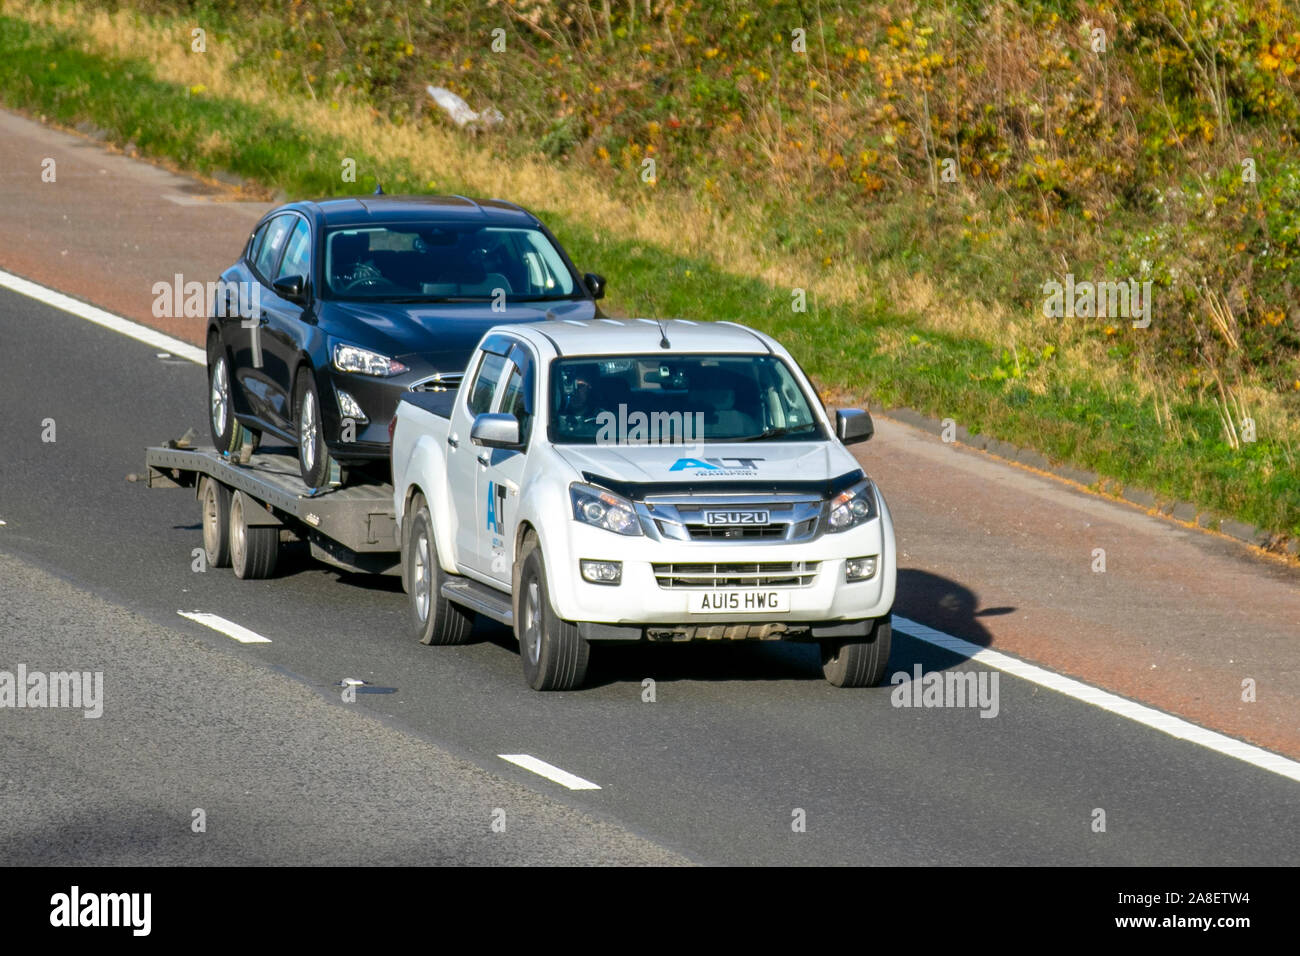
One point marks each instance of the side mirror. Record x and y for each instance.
(495, 430)
(293, 288)
(853, 425)
(595, 285)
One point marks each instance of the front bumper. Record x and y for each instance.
(641, 605)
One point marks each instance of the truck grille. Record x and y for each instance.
(788, 520)
(752, 574)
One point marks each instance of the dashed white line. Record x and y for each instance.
(1142, 714)
(228, 628)
(134, 330)
(549, 771)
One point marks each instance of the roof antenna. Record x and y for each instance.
(379, 190)
(663, 336)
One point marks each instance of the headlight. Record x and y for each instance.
(853, 506)
(603, 509)
(349, 358)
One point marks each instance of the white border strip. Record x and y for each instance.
(549, 771)
(1157, 719)
(228, 628)
(134, 330)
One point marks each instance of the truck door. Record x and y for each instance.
(465, 464)
(501, 476)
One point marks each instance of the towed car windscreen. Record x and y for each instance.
(444, 262)
(652, 399)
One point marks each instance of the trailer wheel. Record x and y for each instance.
(858, 663)
(434, 619)
(555, 656)
(253, 548)
(214, 501)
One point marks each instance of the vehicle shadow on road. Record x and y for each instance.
(944, 605)
(926, 598)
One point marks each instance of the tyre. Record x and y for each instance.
(434, 619)
(254, 549)
(858, 663)
(314, 462)
(221, 411)
(214, 502)
(228, 436)
(554, 655)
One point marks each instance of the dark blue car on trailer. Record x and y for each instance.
(345, 304)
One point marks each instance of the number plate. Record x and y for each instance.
(740, 601)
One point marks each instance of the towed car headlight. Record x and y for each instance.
(853, 506)
(604, 509)
(350, 358)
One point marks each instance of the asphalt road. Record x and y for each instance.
(93, 570)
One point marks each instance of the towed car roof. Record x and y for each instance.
(364, 210)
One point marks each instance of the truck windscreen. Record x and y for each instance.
(682, 399)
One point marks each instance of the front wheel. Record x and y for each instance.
(314, 462)
(858, 663)
(555, 656)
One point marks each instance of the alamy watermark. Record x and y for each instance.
(1102, 300)
(75, 689)
(179, 299)
(684, 429)
(946, 689)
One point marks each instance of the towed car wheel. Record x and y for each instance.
(221, 415)
(228, 435)
(314, 462)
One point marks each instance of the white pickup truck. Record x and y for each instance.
(621, 480)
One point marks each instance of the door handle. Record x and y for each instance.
(453, 442)
(484, 459)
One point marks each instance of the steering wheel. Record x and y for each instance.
(365, 282)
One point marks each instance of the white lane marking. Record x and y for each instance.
(549, 771)
(1156, 719)
(228, 628)
(141, 333)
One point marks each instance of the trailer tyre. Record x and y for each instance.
(214, 501)
(555, 657)
(254, 549)
(434, 619)
(857, 663)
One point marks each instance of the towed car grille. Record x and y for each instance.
(752, 574)
(440, 382)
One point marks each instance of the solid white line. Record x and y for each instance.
(1156, 719)
(549, 771)
(228, 628)
(141, 333)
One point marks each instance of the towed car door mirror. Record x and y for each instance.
(293, 288)
(853, 425)
(595, 285)
(495, 430)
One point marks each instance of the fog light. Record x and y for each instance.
(860, 569)
(349, 407)
(602, 572)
